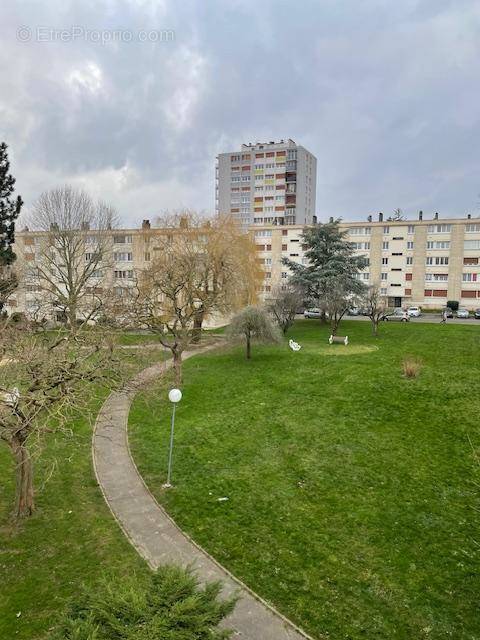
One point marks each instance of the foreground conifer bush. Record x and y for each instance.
(167, 605)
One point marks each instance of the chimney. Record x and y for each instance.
(145, 224)
(469, 216)
(369, 219)
(315, 220)
(420, 215)
(380, 217)
(435, 217)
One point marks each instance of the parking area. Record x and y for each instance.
(425, 317)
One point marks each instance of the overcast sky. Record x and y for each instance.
(384, 93)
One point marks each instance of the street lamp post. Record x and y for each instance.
(174, 395)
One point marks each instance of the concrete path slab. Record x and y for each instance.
(151, 530)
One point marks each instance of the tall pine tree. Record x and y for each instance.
(330, 279)
(9, 211)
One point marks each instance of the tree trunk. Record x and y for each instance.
(249, 348)
(197, 326)
(334, 325)
(177, 367)
(24, 501)
(375, 327)
(72, 317)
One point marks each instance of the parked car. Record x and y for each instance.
(353, 311)
(448, 312)
(477, 314)
(397, 315)
(462, 313)
(414, 312)
(312, 313)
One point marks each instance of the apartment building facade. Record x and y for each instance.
(126, 252)
(267, 183)
(413, 262)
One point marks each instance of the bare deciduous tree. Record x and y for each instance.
(375, 305)
(41, 377)
(75, 251)
(283, 304)
(253, 323)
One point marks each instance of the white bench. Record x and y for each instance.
(338, 340)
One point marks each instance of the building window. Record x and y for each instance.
(123, 275)
(411, 228)
(384, 276)
(264, 233)
(470, 261)
(284, 247)
(472, 228)
(122, 239)
(386, 229)
(124, 256)
(384, 260)
(469, 277)
(409, 245)
(470, 245)
(438, 245)
(436, 277)
(385, 245)
(439, 228)
(409, 260)
(360, 231)
(441, 260)
(284, 274)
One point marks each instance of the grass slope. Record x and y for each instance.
(71, 539)
(352, 503)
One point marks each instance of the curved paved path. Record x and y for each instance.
(149, 528)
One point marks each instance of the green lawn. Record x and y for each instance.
(71, 539)
(352, 496)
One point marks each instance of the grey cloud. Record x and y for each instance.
(384, 94)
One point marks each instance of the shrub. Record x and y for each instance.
(253, 323)
(452, 304)
(167, 605)
(411, 367)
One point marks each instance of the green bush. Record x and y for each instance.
(452, 304)
(167, 605)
